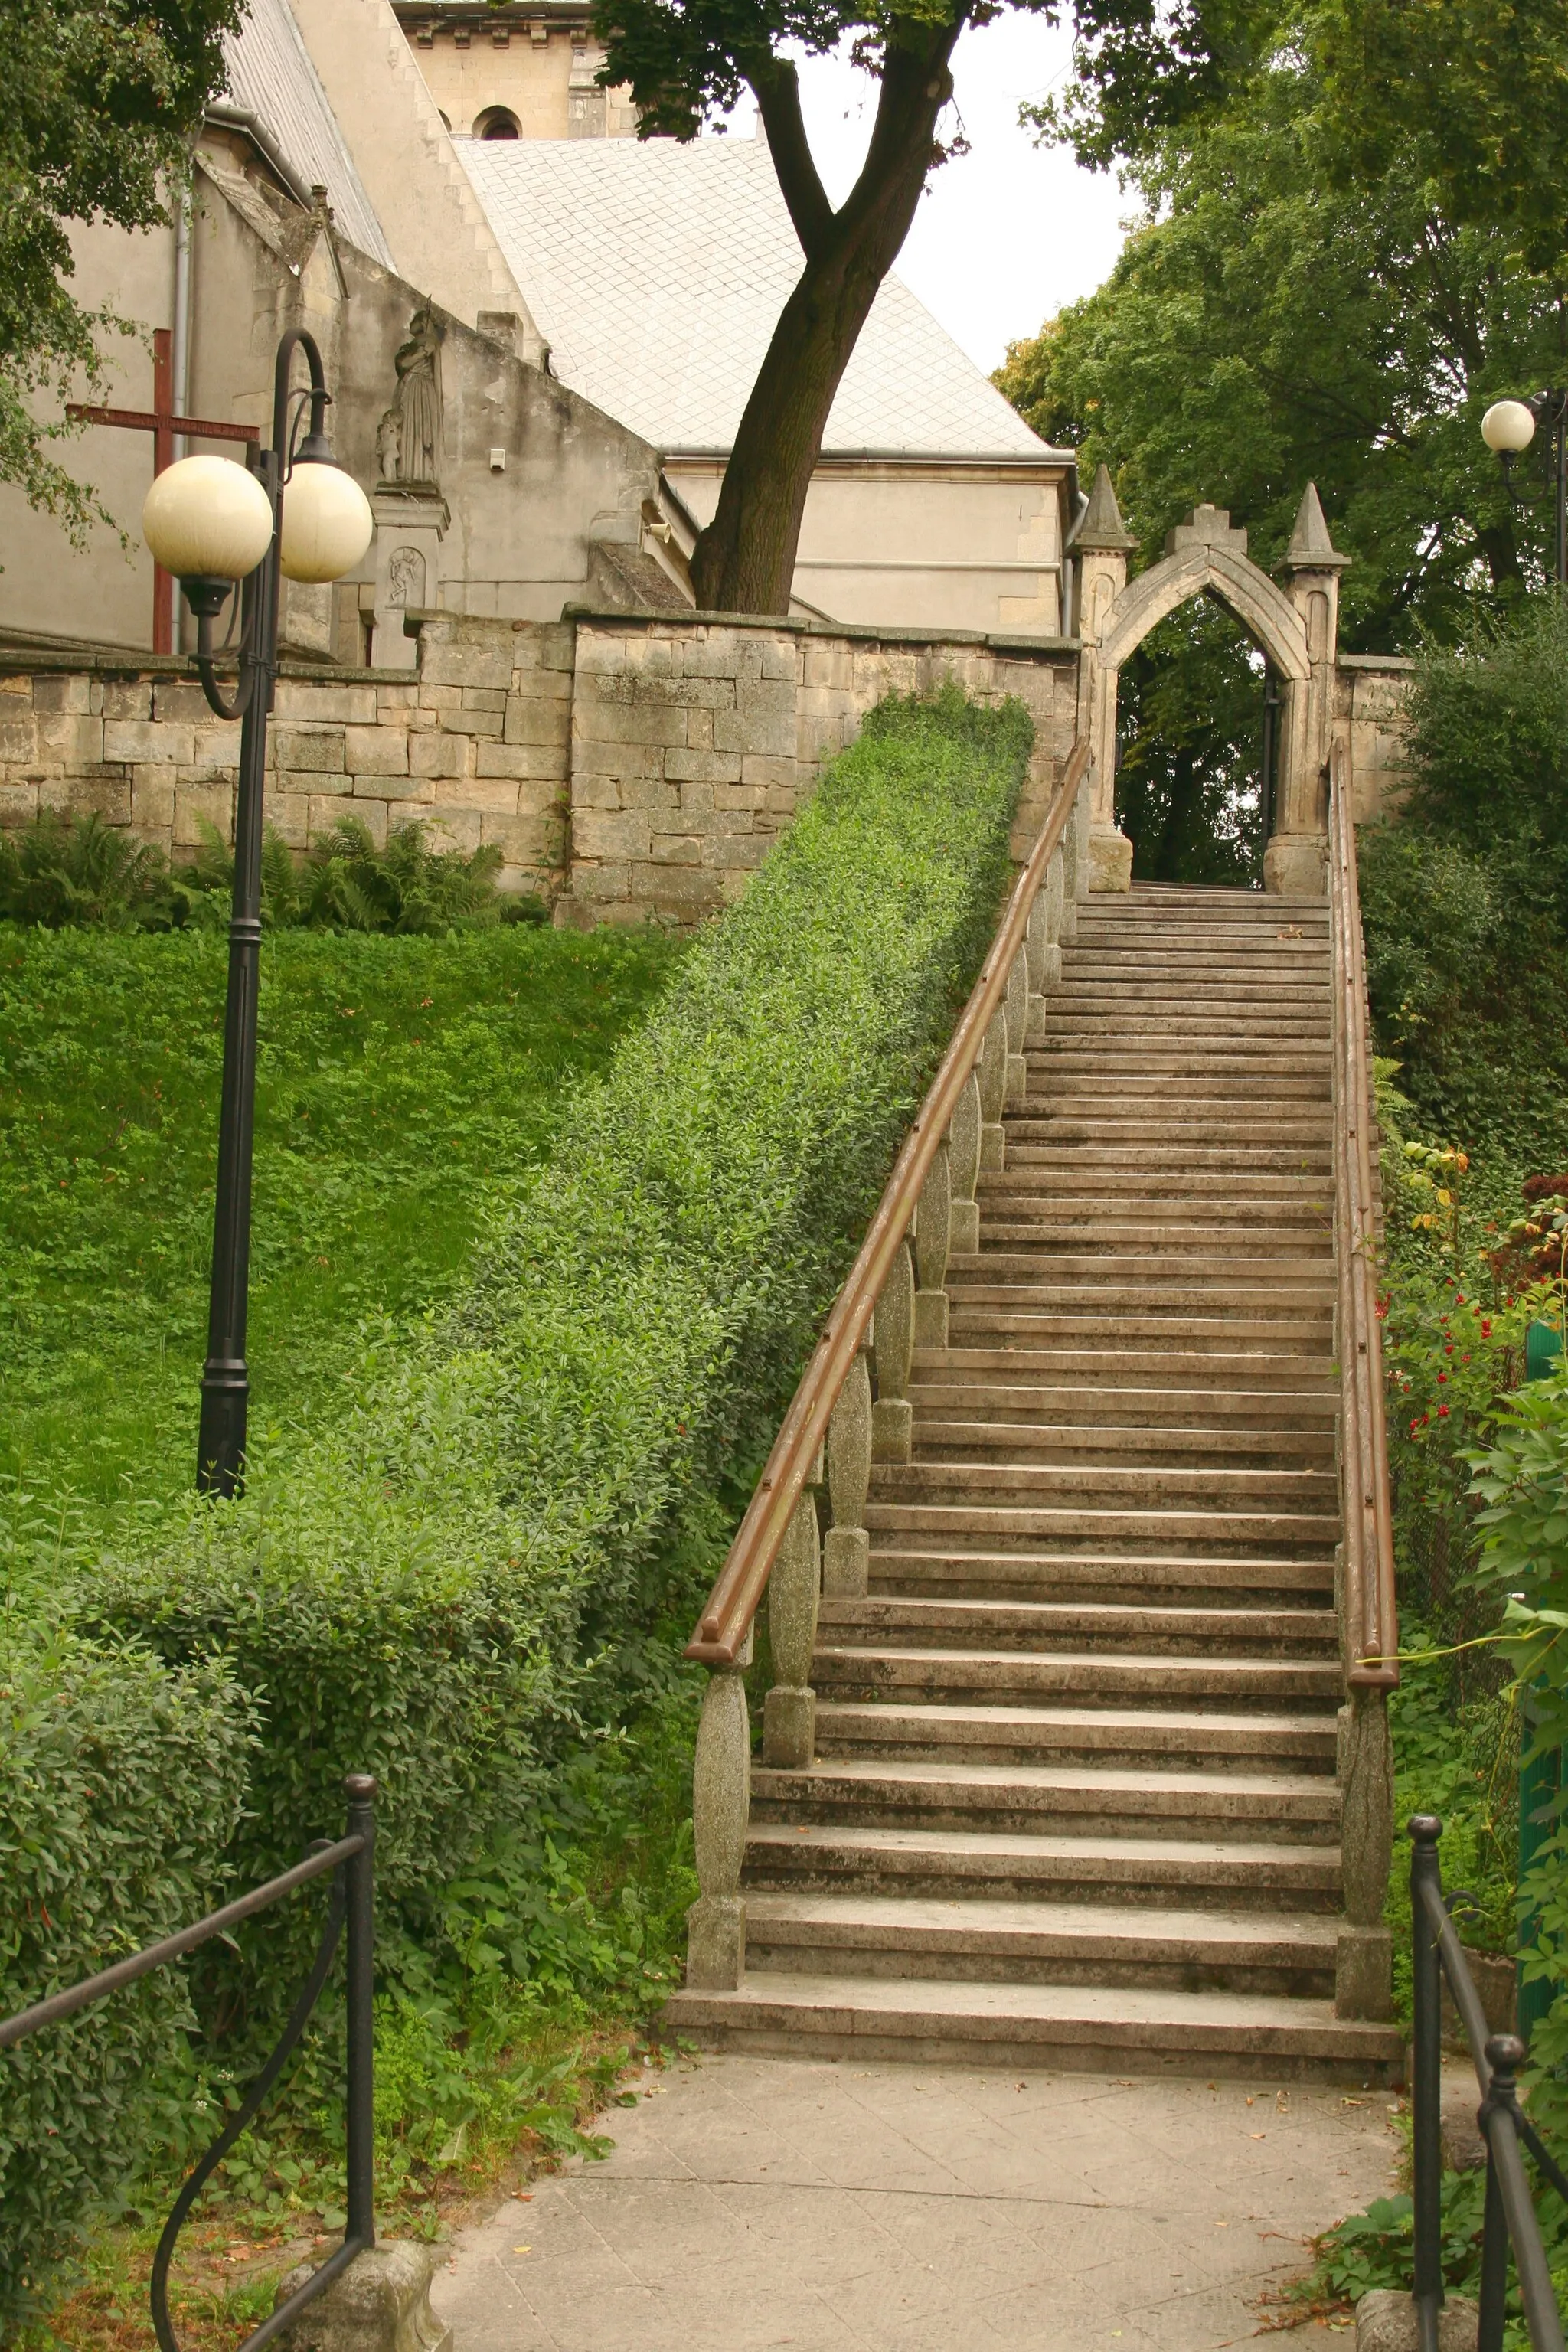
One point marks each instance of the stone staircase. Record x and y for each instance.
(1074, 1799)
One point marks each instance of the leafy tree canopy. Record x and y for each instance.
(100, 99)
(1266, 327)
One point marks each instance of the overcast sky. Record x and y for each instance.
(1005, 234)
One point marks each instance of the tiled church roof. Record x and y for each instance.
(656, 273)
(270, 76)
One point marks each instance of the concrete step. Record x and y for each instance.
(1123, 1366)
(970, 1569)
(1123, 1484)
(1041, 1943)
(1095, 2030)
(1038, 1227)
(1233, 1416)
(1067, 1799)
(1132, 1738)
(974, 1437)
(1144, 1628)
(1013, 1865)
(1167, 1287)
(1083, 1673)
(976, 1324)
(1107, 1528)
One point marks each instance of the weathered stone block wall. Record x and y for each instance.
(475, 746)
(695, 739)
(1370, 717)
(626, 765)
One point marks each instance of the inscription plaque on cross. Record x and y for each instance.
(161, 423)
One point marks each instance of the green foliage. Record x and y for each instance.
(1466, 894)
(67, 871)
(103, 98)
(62, 870)
(122, 1783)
(399, 1079)
(344, 883)
(1190, 716)
(474, 1559)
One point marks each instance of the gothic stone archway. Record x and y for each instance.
(1296, 627)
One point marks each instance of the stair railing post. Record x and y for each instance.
(1015, 1004)
(964, 1163)
(893, 1339)
(847, 1554)
(795, 1594)
(1364, 1948)
(933, 1244)
(1053, 894)
(992, 1072)
(1039, 951)
(1426, 2083)
(720, 1814)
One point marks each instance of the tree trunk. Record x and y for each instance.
(744, 561)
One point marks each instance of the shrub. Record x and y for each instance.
(62, 871)
(472, 1566)
(121, 1786)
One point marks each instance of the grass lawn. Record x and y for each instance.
(400, 1080)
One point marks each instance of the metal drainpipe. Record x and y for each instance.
(181, 354)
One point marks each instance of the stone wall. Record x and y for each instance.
(1370, 717)
(626, 766)
(695, 738)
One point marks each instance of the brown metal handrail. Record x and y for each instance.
(1371, 1617)
(727, 1616)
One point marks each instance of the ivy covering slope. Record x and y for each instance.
(479, 1562)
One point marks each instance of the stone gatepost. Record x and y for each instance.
(1102, 545)
(1295, 861)
(411, 520)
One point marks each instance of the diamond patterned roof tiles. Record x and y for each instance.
(656, 273)
(269, 75)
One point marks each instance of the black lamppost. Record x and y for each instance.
(212, 523)
(1508, 427)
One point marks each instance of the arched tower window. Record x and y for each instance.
(497, 122)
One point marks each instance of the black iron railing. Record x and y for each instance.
(1509, 2220)
(350, 1864)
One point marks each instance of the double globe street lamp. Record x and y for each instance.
(291, 512)
(1508, 428)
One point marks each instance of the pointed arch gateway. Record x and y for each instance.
(1296, 627)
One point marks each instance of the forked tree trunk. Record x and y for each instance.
(744, 561)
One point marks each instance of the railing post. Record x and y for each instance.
(1363, 1950)
(992, 1072)
(964, 1164)
(1426, 2082)
(1040, 950)
(360, 1922)
(794, 1592)
(893, 1339)
(846, 1555)
(933, 1244)
(1505, 2055)
(1015, 1004)
(1054, 892)
(721, 1813)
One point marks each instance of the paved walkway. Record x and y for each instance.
(755, 2202)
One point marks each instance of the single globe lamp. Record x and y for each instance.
(207, 519)
(1508, 427)
(327, 521)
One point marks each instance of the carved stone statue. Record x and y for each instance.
(417, 408)
(405, 577)
(389, 445)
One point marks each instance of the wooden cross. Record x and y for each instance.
(161, 423)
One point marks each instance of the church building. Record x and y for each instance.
(540, 334)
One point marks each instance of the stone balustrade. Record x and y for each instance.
(827, 1551)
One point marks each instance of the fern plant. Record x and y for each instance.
(346, 883)
(64, 871)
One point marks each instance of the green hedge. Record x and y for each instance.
(481, 1559)
(122, 1783)
(437, 1592)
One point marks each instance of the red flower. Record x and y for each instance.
(1442, 1412)
(1441, 1377)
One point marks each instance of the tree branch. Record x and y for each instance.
(778, 88)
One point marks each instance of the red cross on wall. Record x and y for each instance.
(161, 423)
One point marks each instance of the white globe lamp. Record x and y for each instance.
(206, 517)
(1508, 427)
(327, 521)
